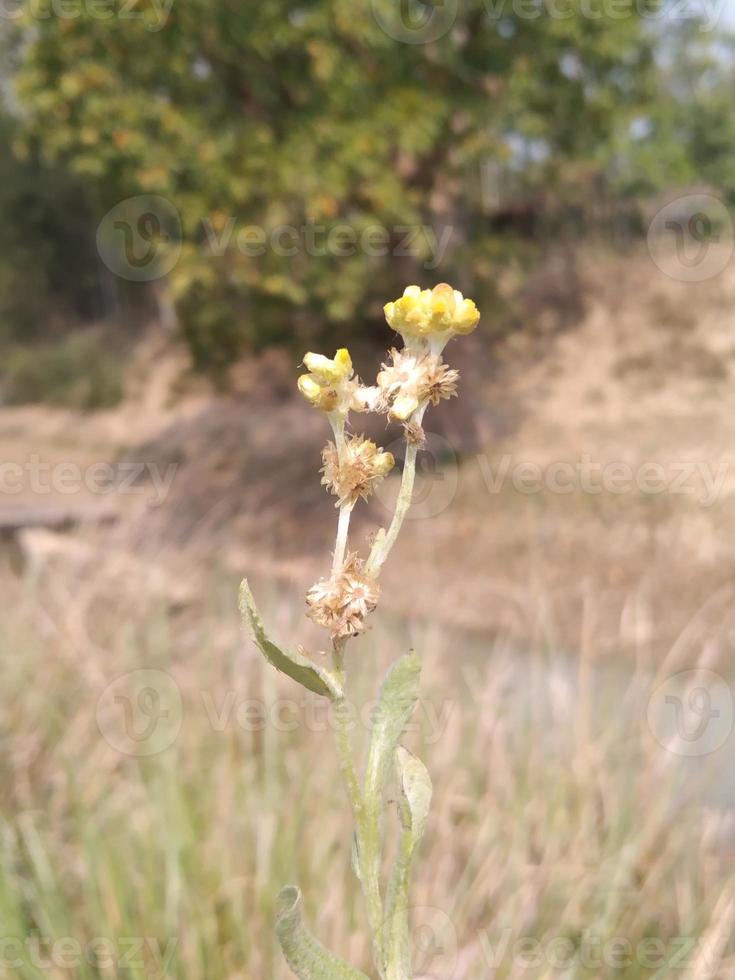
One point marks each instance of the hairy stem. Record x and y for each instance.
(384, 543)
(367, 850)
(343, 530)
(337, 421)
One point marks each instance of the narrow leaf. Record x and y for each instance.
(415, 784)
(306, 956)
(395, 706)
(298, 667)
(416, 788)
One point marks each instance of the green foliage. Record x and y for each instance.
(298, 667)
(396, 704)
(316, 119)
(47, 258)
(415, 784)
(78, 371)
(304, 954)
(686, 133)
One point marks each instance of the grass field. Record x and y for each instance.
(149, 819)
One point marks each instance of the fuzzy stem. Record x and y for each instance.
(337, 421)
(384, 543)
(367, 857)
(343, 529)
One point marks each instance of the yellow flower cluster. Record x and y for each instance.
(326, 376)
(429, 312)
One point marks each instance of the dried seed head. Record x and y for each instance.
(361, 466)
(441, 311)
(342, 603)
(414, 378)
(328, 384)
(415, 434)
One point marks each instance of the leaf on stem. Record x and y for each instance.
(298, 667)
(306, 956)
(416, 789)
(415, 784)
(396, 704)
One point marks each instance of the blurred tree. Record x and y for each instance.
(48, 263)
(687, 132)
(362, 160)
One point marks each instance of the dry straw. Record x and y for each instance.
(413, 378)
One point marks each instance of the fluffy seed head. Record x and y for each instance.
(361, 466)
(342, 603)
(414, 378)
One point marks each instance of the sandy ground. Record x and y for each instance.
(592, 492)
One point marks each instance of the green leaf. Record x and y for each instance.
(396, 704)
(298, 667)
(306, 956)
(416, 789)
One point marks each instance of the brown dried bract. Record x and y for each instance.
(362, 465)
(342, 603)
(415, 435)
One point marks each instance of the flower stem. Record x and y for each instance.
(343, 528)
(366, 857)
(337, 421)
(384, 543)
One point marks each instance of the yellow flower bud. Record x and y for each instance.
(330, 370)
(430, 312)
(320, 396)
(326, 386)
(466, 317)
(309, 388)
(384, 463)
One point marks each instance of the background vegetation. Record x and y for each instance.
(519, 126)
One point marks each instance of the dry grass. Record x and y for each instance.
(545, 622)
(556, 811)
